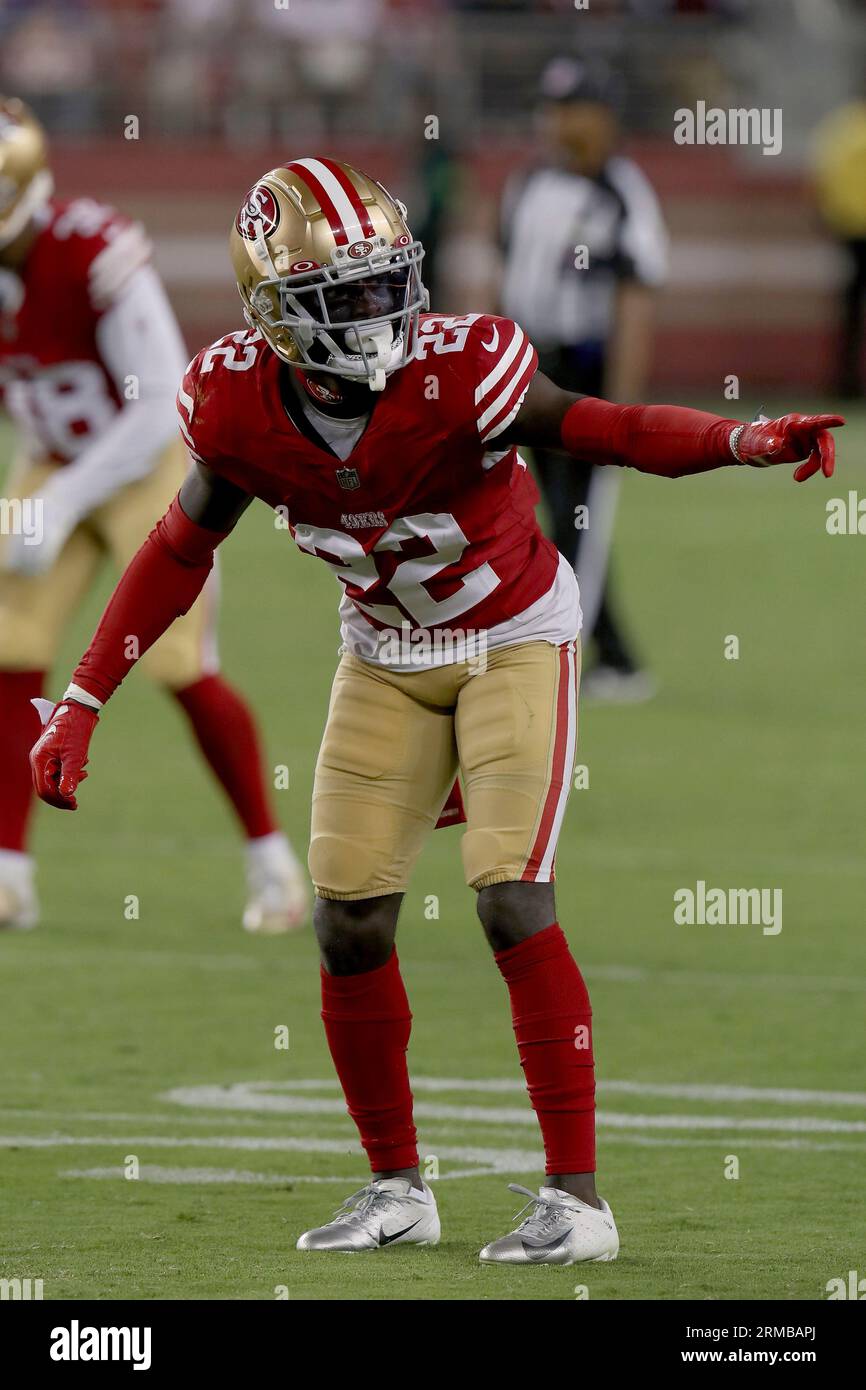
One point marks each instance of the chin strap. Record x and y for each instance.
(375, 347)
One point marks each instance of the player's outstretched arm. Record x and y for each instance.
(669, 440)
(162, 581)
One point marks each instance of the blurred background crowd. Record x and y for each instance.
(760, 257)
(250, 69)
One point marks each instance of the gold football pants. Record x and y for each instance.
(394, 742)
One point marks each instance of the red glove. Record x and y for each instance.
(673, 441)
(59, 756)
(789, 439)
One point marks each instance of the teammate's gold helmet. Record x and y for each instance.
(328, 271)
(25, 179)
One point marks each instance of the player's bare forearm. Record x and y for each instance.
(539, 421)
(669, 440)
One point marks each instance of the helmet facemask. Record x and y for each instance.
(356, 319)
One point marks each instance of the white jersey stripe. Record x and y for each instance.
(337, 194)
(185, 403)
(502, 365)
(505, 394)
(502, 424)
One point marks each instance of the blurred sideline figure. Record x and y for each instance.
(90, 359)
(585, 246)
(840, 185)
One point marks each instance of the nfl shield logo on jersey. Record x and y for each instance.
(348, 478)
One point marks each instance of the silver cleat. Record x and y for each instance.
(560, 1230)
(389, 1211)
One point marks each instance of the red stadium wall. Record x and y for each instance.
(753, 280)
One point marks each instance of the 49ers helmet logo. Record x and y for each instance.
(259, 213)
(359, 249)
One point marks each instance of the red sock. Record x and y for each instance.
(552, 1023)
(19, 730)
(228, 738)
(367, 1023)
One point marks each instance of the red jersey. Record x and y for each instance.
(53, 379)
(426, 523)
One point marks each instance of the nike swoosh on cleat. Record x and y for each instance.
(386, 1240)
(536, 1252)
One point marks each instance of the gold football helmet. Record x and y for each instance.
(25, 179)
(328, 270)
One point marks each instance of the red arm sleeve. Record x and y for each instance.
(162, 581)
(670, 440)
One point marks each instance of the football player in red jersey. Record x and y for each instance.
(90, 359)
(385, 438)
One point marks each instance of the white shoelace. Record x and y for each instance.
(364, 1201)
(546, 1216)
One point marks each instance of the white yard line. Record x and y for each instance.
(261, 1102)
(284, 1098)
(482, 1161)
(780, 1095)
(494, 1115)
(672, 1090)
(156, 1173)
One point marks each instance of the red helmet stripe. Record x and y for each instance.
(352, 194)
(322, 198)
(337, 197)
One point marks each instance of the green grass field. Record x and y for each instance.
(155, 1038)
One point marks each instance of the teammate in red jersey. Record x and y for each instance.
(90, 358)
(385, 438)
